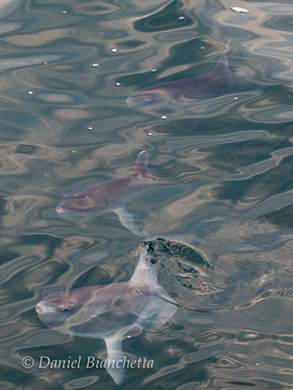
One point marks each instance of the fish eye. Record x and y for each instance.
(150, 248)
(66, 309)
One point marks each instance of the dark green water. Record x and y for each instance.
(222, 206)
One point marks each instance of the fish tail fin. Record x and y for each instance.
(115, 358)
(141, 166)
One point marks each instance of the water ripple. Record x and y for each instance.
(220, 216)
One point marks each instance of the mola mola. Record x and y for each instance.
(111, 312)
(110, 195)
(187, 93)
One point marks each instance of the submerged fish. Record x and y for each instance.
(186, 93)
(111, 312)
(110, 195)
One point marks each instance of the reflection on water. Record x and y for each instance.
(222, 206)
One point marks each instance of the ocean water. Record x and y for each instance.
(220, 215)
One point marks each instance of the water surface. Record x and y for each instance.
(222, 207)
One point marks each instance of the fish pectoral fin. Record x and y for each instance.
(128, 221)
(114, 362)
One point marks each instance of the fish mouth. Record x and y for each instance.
(67, 213)
(130, 101)
(38, 309)
(72, 212)
(60, 210)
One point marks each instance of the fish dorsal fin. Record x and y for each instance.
(223, 65)
(145, 271)
(114, 361)
(141, 166)
(141, 162)
(159, 306)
